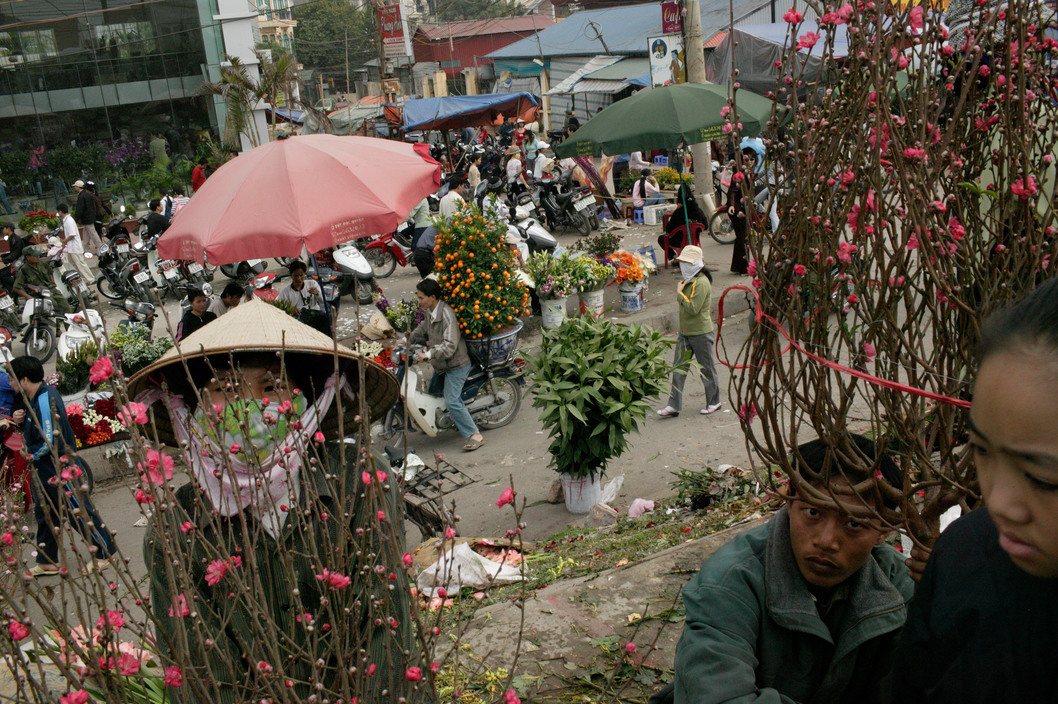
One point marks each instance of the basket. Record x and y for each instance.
(496, 349)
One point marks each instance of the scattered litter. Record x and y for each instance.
(622, 562)
(610, 490)
(413, 464)
(601, 516)
(462, 567)
(142, 523)
(639, 507)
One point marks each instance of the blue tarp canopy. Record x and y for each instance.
(459, 111)
(290, 115)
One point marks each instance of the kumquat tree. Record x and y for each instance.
(915, 180)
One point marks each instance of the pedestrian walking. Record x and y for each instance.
(74, 247)
(3, 198)
(694, 297)
(57, 487)
(85, 215)
(198, 175)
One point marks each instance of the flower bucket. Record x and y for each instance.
(631, 297)
(553, 312)
(591, 302)
(580, 493)
(497, 348)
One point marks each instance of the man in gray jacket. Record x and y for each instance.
(447, 352)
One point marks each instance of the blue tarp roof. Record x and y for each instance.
(459, 111)
(291, 115)
(623, 29)
(777, 34)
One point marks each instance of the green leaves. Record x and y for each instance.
(592, 381)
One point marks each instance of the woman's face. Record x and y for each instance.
(249, 381)
(1015, 409)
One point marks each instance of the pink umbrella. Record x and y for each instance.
(313, 191)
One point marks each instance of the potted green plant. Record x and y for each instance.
(593, 381)
(600, 245)
(553, 276)
(74, 371)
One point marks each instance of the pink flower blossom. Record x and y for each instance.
(915, 154)
(318, 438)
(7, 538)
(845, 252)
(506, 497)
(912, 242)
(215, 572)
(234, 449)
(751, 268)
(807, 40)
(78, 697)
(382, 476)
(630, 648)
(335, 580)
(142, 498)
(792, 16)
(407, 559)
(1024, 188)
(413, 674)
(747, 412)
(366, 476)
(174, 677)
(371, 669)
(74, 409)
(956, 229)
(70, 473)
(450, 533)
(511, 697)
(799, 269)
(159, 467)
(868, 350)
(179, 608)
(102, 370)
(728, 128)
(844, 13)
(113, 619)
(725, 111)
(128, 664)
(17, 631)
(853, 299)
(186, 527)
(133, 413)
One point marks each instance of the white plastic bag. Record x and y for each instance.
(462, 567)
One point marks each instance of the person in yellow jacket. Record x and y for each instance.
(694, 296)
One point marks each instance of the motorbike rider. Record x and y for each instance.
(454, 199)
(35, 272)
(422, 255)
(197, 316)
(447, 353)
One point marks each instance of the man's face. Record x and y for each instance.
(828, 544)
(231, 301)
(199, 304)
(32, 259)
(298, 278)
(427, 302)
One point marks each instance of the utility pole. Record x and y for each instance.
(692, 46)
(347, 64)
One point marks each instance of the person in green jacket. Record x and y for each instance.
(806, 608)
(694, 296)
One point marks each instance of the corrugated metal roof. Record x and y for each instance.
(623, 29)
(594, 64)
(591, 85)
(628, 67)
(715, 40)
(474, 28)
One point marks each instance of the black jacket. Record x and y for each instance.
(979, 628)
(85, 212)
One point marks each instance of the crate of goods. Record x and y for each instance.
(652, 214)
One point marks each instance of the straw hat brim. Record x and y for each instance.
(254, 327)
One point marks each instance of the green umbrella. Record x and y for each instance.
(664, 118)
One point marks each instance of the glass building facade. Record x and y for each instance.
(94, 69)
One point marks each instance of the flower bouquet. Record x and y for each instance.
(476, 271)
(629, 269)
(600, 245)
(403, 316)
(95, 423)
(589, 274)
(553, 275)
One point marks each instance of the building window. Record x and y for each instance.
(34, 45)
(128, 38)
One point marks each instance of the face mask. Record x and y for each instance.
(689, 270)
(256, 429)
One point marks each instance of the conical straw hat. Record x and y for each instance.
(256, 326)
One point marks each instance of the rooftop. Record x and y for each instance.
(499, 25)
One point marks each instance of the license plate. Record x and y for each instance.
(194, 267)
(122, 248)
(583, 203)
(6, 302)
(254, 262)
(141, 277)
(165, 266)
(171, 273)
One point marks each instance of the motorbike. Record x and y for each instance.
(262, 286)
(521, 225)
(38, 317)
(67, 280)
(492, 394)
(81, 328)
(138, 312)
(566, 205)
(386, 251)
(164, 274)
(9, 320)
(243, 271)
(110, 282)
(358, 277)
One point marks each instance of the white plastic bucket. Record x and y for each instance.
(580, 494)
(591, 302)
(553, 312)
(631, 297)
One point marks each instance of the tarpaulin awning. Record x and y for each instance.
(626, 68)
(290, 115)
(456, 112)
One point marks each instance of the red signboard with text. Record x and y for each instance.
(671, 18)
(392, 30)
